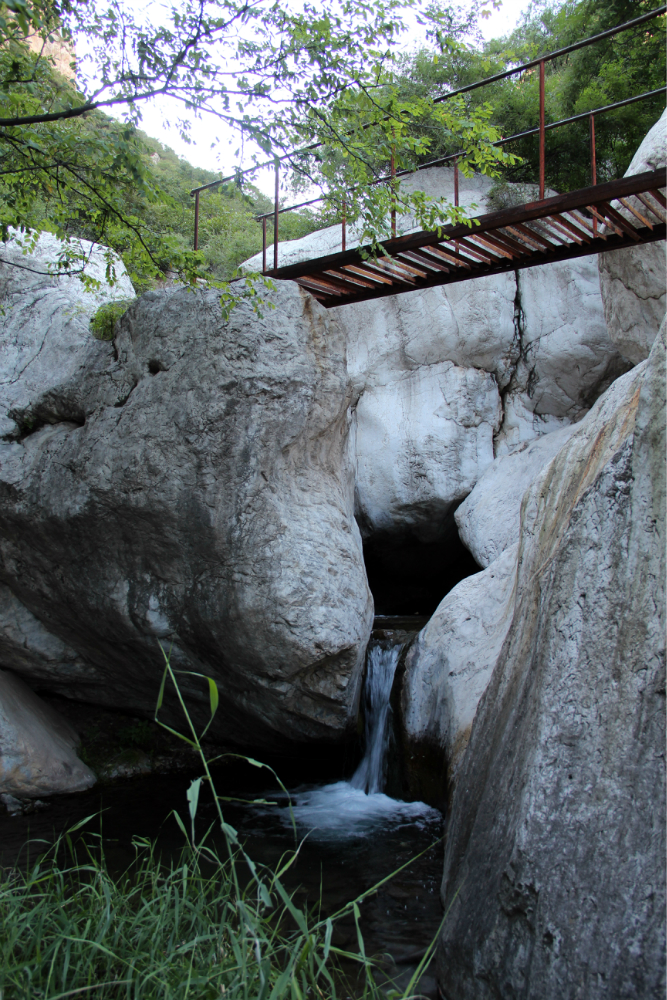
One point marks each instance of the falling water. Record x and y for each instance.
(359, 807)
(372, 771)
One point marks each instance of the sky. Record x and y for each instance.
(199, 151)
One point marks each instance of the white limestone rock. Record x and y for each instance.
(539, 334)
(489, 518)
(45, 322)
(565, 357)
(535, 348)
(555, 853)
(633, 280)
(190, 484)
(37, 746)
(427, 368)
(449, 665)
(422, 441)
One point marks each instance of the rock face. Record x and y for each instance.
(449, 378)
(449, 665)
(189, 484)
(36, 745)
(555, 854)
(44, 325)
(633, 280)
(488, 519)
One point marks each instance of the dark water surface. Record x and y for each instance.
(353, 841)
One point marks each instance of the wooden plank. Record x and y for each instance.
(631, 208)
(532, 234)
(427, 259)
(453, 258)
(649, 204)
(475, 251)
(318, 283)
(371, 275)
(512, 243)
(495, 245)
(533, 240)
(393, 273)
(346, 281)
(543, 226)
(659, 197)
(578, 234)
(617, 218)
(557, 205)
(569, 252)
(609, 223)
(588, 226)
(397, 261)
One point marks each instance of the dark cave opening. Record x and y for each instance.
(410, 571)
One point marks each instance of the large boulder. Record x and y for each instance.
(449, 666)
(189, 486)
(488, 519)
(37, 746)
(633, 280)
(554, 875)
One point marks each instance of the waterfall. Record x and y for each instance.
(371, 774)
(359, 807)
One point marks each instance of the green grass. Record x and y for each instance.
(203, 926)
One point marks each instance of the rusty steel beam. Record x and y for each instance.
(585, 198)
(573, 250)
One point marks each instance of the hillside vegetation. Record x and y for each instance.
(95, 178)
(229, 232)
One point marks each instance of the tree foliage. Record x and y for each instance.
(609, 71)
(276, 77)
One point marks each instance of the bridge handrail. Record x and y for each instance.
(541, 129)
(500, 142)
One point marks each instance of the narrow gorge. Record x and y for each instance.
(418, 544)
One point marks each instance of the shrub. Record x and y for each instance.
(103, 323)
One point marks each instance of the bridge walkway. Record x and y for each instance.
(621, 213)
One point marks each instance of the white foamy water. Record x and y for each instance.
(371, 774)
(340, 810)
(359, 807)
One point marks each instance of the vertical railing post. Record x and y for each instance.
(542, 130)
(342, 224)
(264, 245)
(594, 172)
(275, 216)
(393, 211)
(456, 194)
(196, 220)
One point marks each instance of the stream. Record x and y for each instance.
(352, 834)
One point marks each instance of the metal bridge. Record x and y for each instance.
(559, 228)
(626, 212)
